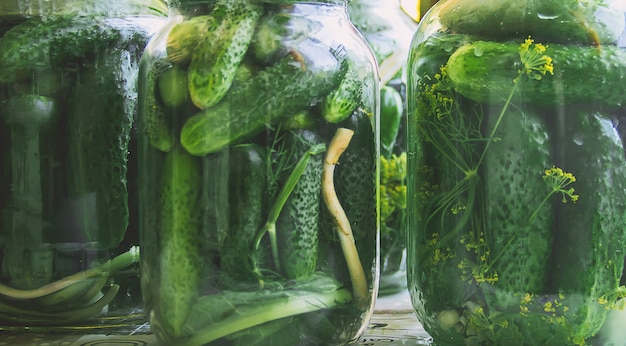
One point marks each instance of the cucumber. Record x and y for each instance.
(297, 226)
(183, 38)
(172, 87)
(571, 21)
(391, 115)
(278, 32)
(155, 123)
(215, 59)
(427, 57)
(518, 231)
(31, 44)
(484, 71)
(589, 236)
(341, 102)
(258, 102)
(180, 259)
(355, 183)
(98, 135)
(246, 192)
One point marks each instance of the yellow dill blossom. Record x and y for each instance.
(478, 272)
(535, 63)
(549, 307)
(610, 299)
(559, 180)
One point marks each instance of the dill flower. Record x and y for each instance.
(558, 180)
(535, 63)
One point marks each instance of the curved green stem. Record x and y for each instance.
(262, 313)
(108, 268)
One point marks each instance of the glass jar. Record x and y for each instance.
(67, 98)
(517, 170)
(250, 230)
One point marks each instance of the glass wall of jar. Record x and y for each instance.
(258, 167)
(517, 170)
(68, 72)
(388, 27)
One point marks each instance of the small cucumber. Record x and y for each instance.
(259, 102)
(341, 102)
(391, 114)
(246, 192)
(180, 258)
(172, 86)
(183, 38)
(588, 253)
(572, 21)
(518, 233)
(427, 57)
(154, 123)
(278, 32)
(484, 71)
(297, 226)
(215, 59)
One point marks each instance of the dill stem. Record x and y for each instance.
(500, 117)
(545, 199)
(467, 213)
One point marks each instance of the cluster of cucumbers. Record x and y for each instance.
(236, 112)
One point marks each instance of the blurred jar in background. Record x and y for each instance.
(68, 236)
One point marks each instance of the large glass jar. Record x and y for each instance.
(258, 159)
(67, 100)
(517, 170)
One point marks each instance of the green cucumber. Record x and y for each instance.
(518, 233)
(588, 252)
(155, 123)
(246, 192)
(297, 226)
(180, 259)
(99, 136)
(391, 114)
(183, 38)
(172, 86)
(258, 102)
(215, 59)
(355, 183)
(427, 57)
(484, 71)
(42, 36)
(572, 21)
(341, 102)
(278, 32)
